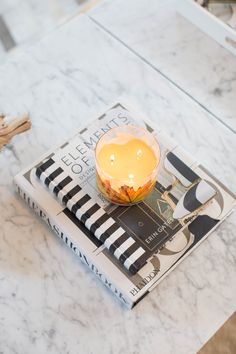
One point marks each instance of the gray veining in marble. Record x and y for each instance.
(179, 50)
(49, 301)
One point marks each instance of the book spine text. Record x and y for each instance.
(71, 244)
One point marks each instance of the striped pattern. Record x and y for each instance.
(124, 248)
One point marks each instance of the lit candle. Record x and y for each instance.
(127, 159)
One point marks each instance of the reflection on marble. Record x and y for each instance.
(49, 301)
(194, 61)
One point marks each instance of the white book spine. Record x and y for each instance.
(41, 212)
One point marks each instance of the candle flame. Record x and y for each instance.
(129, 163)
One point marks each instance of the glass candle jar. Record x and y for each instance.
(127, 159)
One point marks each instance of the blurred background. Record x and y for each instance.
(23, 22)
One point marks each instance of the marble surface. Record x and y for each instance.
(49, 301)
(179, 50)
(27, 21)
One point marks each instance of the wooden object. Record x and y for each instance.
(9, 127)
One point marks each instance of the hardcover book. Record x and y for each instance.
(131, 249)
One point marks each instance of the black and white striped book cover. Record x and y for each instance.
(131, 249)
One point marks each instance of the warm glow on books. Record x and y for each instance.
(127, 160)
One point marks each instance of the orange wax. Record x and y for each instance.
(128, 160)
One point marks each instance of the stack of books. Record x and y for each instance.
(131, 249)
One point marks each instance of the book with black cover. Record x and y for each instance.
(131, 249)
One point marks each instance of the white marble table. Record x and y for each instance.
(177, 49)
(49, 301)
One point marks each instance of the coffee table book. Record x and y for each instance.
(166, 240)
